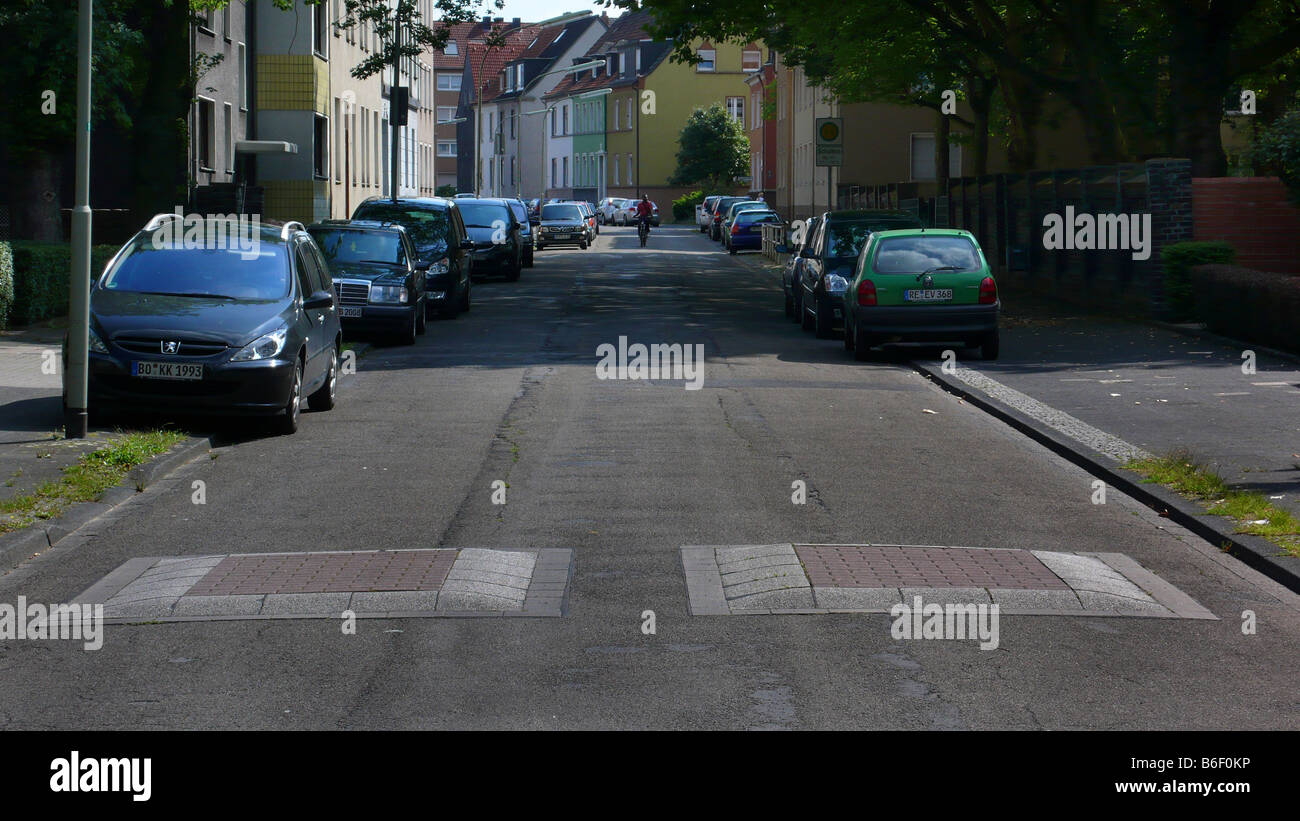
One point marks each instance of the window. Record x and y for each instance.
(513, 117)
(553, 172)
(512, 171)
(448, 81)
(566, 172)
(630, 103)
(365, 147)
(320, 147)
(243, 77)
(446, 112)
(205, 21)
(708, 60)
(225, 21)
(750, 59)
(450, 49)
(564, 121)
(614, 161)
(207, 138)
(338, 138)
(229, 113)
(630, 180)
(319, 23)
(736, 109)
(923, 158)
(446, 148)
(519, 76)
(638, 59)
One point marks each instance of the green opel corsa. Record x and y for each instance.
(921, 285)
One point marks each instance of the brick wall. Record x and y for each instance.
(1254, 215)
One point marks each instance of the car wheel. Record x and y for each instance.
(452, 307)
(731, 250)
(848, 337)
(323, 398)
(989, 350)
(861, 351)
(824, 322)
(408, 333)
(583, 245)
(789, 303)
(539, 247)
(806, 320)
(287, 422)
(465, 299)
(528, 260)
(512, 275)
(797, 314)
(421, 317)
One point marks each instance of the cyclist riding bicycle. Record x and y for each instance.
(644, 210)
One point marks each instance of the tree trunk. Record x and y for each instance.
(35, 207)
(1198, 82)
(980, 93)
(942, 135)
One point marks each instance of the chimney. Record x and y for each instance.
(499, 20)
(487, 18)
(515, 22)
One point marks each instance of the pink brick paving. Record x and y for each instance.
(327, 573)
(894, 566)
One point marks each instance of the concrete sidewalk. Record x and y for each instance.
(1160, 390)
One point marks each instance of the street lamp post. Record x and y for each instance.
(75, 415)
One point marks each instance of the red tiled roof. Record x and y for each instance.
(460, 36)
(630, 26)
(496, 59)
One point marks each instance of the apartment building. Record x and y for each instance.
(483, 64)
(761, 127)
(357, 116)
(220, 117)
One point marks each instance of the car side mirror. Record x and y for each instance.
(318, 300)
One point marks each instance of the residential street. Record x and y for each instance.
(625, 474)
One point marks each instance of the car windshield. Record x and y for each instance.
(738, 207)
(428, 228)
(561, 212)
(260, 273)
(482, 214)
(846, 238)
(351, 245)
(912, 255)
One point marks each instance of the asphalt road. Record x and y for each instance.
(625, 473)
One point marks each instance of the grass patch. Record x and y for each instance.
(1251, 511)
(88, 479)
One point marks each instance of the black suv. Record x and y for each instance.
(377, 277)
(435, 226)
(215, 327)
(497, 236)
(829, 257)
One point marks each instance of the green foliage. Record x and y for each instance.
(714, 150)
(684, 206)
(445, 191)
(1178, 260)
(41, 274)
(387, 18)
(6, 283)
(1277, 150)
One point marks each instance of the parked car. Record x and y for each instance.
(608, 208)
(720, 207)
(747, 229)
(628, 215)
(832, 256)
(376, 276)
(588, 217)
(702, 211)
(563, 223)
(791, 281)
(735, 208)
(527, 228)
(438, 231)
(211, 330)
(497, 237)
(921, 286)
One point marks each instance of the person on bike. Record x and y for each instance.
(644, 210)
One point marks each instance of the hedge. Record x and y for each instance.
(1178, 259)
(684, 206)
(6, 283)
(41, 274)
(1250, 305)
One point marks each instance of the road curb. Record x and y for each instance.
(1252, 550)
(20, 545)
(1227, 341)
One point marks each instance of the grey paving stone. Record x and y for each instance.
(775, 560)
(946, 595)
(206, 562)
(478, 575)
(1009, 601)
(1119, 604)
(245, 605)
(474, 556)
(857, 598)
(280, 604)
(464, 600)
(784, 599)
(1074, 566)
(464, 587)
(393, 601)
(740, 553)
(144, 609)
(786, 581)
(1115, 587)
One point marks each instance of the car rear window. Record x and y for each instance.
(561, 212)
(912, 255)
(344, 245)
(427, 227)
(482, 214)
(143, 268)
(755, 215)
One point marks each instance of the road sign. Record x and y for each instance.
(830, 141)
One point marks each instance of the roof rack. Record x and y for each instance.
(156, 221)
(289, 227)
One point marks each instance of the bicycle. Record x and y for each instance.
(643, 230)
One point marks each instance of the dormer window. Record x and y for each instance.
(708, 59)
(450, 48)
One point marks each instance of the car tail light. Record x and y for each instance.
(988, 291)
(735, 228)
(866, 292)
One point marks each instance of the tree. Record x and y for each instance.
(713, 150)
